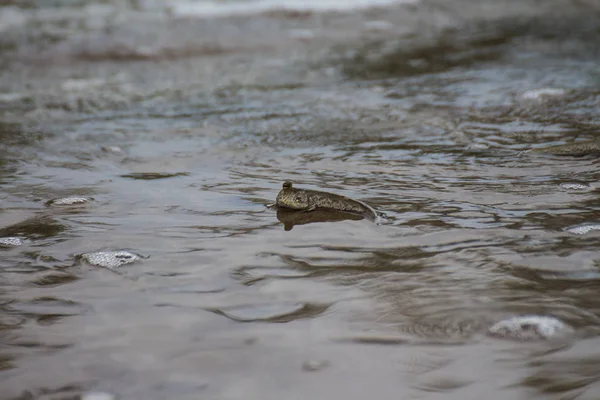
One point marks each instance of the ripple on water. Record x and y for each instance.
(530, 327)
(251, 275)
(46, 310)
(11, 241)
(450, 330)
(280, 312)
(54, 278)
(148, 176)
(69, 201)
(583, 228)
(110, 259)
(196, 287)
(38, 227)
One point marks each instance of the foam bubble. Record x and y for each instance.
(574, 186)
(11, 241)
(530, 327)
(110, 259)
(69, 201)
(583, 229)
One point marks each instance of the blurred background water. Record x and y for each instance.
(180, 120)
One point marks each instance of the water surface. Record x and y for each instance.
(182, 126)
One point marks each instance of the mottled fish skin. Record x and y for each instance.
(578, 149)
(308, 200)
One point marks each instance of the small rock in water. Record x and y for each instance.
(574, 186)
(110, 259)
(583, 229)
(530, 327)
(540, 94)
(68, 201)
(98, 396)
(11, 241)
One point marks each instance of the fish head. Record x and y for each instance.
(290, 197)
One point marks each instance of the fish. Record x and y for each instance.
(310, 200)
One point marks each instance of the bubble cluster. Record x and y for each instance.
(530, 327)
(110, 259)
(583, 229)
(11, 241)
(69, 201)
(574, 186)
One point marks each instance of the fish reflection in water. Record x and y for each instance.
(290, 218)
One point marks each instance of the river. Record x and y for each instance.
(178, 122)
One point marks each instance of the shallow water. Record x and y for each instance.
(180, 130)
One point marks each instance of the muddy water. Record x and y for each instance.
(182, 127)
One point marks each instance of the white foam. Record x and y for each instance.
(11, 241)
(186, 8)
(574, 186)
(583, 229)
(113, 149)
(110, 259)
(69, 201)
(530, 327)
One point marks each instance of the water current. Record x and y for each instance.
(175, 123)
